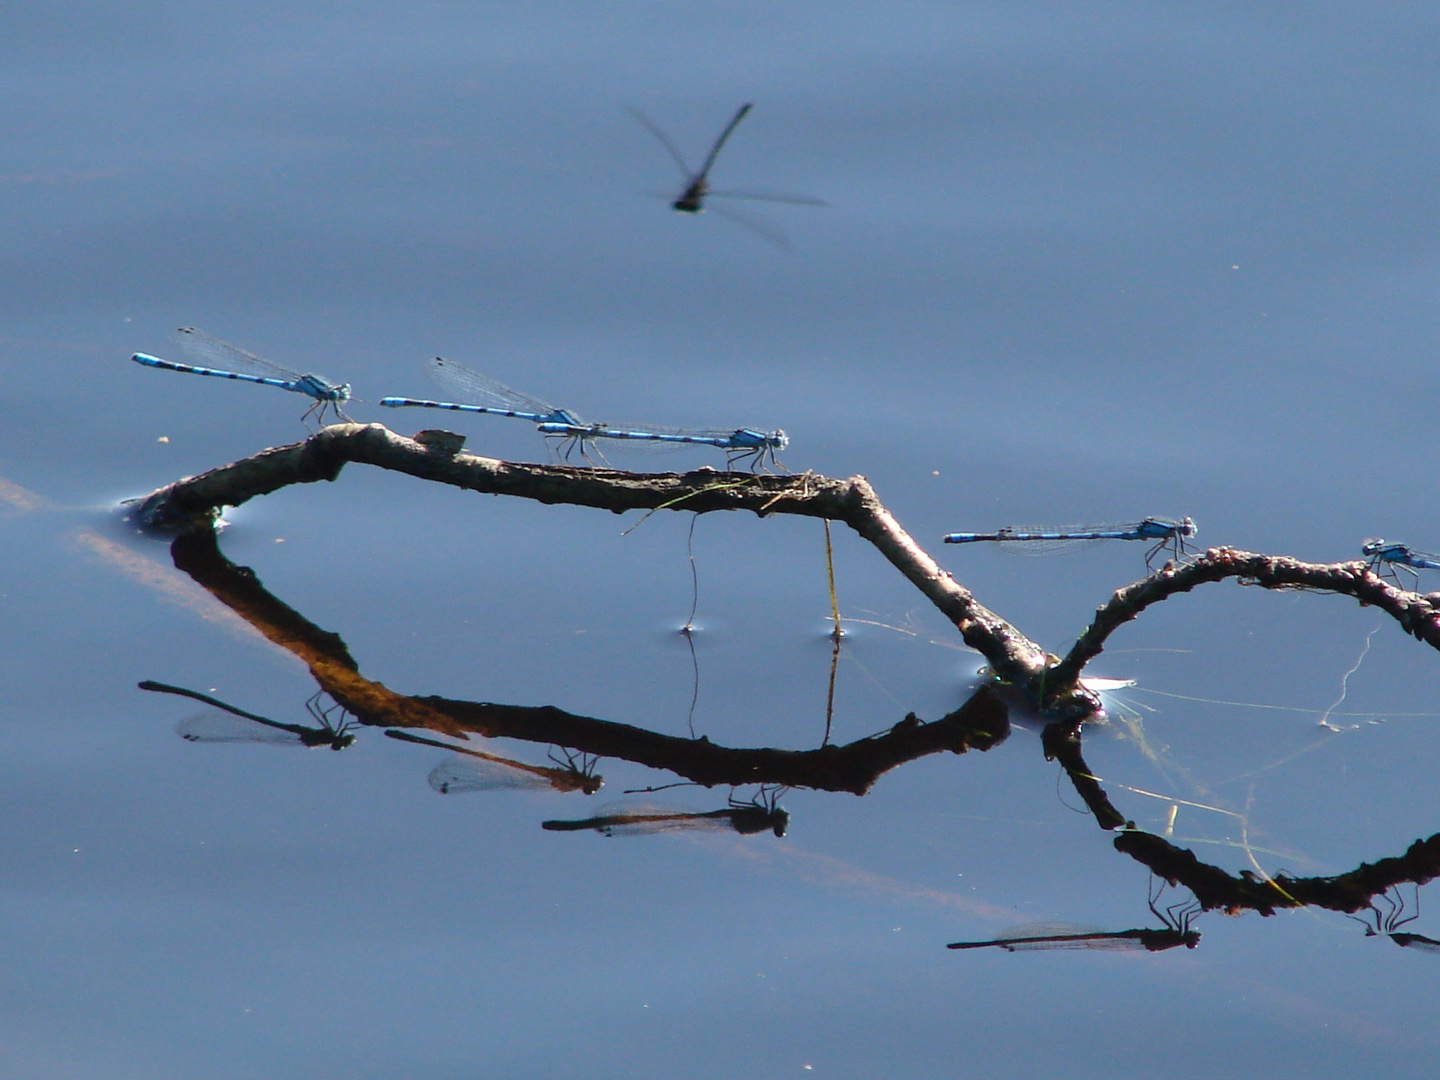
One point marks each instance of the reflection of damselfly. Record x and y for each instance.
(480, 394)
(225, 361)
(475, 770)
(1036, 936)
(237, 725)
(1168, 536)
(697, 188)
(1386, 558)
(627, 817)
(1387, 922)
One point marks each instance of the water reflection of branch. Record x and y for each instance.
(837, 634)
(688, 630)
(1062, 744)
(1249, 890)
(836, 639)
(1214, 888)
(980, 723)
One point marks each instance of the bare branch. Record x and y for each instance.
(1014, 657)
(1418, 615)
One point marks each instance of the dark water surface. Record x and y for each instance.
(1081, 263)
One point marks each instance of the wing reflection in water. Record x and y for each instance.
(226, 724)
(1418, 942)
(476, 770)
(628, 817)
(1036, 936)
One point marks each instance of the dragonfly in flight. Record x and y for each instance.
(691, 199)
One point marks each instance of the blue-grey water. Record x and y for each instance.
(1081, 263)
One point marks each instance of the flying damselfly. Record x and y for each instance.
(691, 199)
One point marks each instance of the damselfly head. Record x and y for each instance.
(781, 822)
(1374, 546)
(321, 390)
(748, 820)
(592, 784)
(760, 812)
